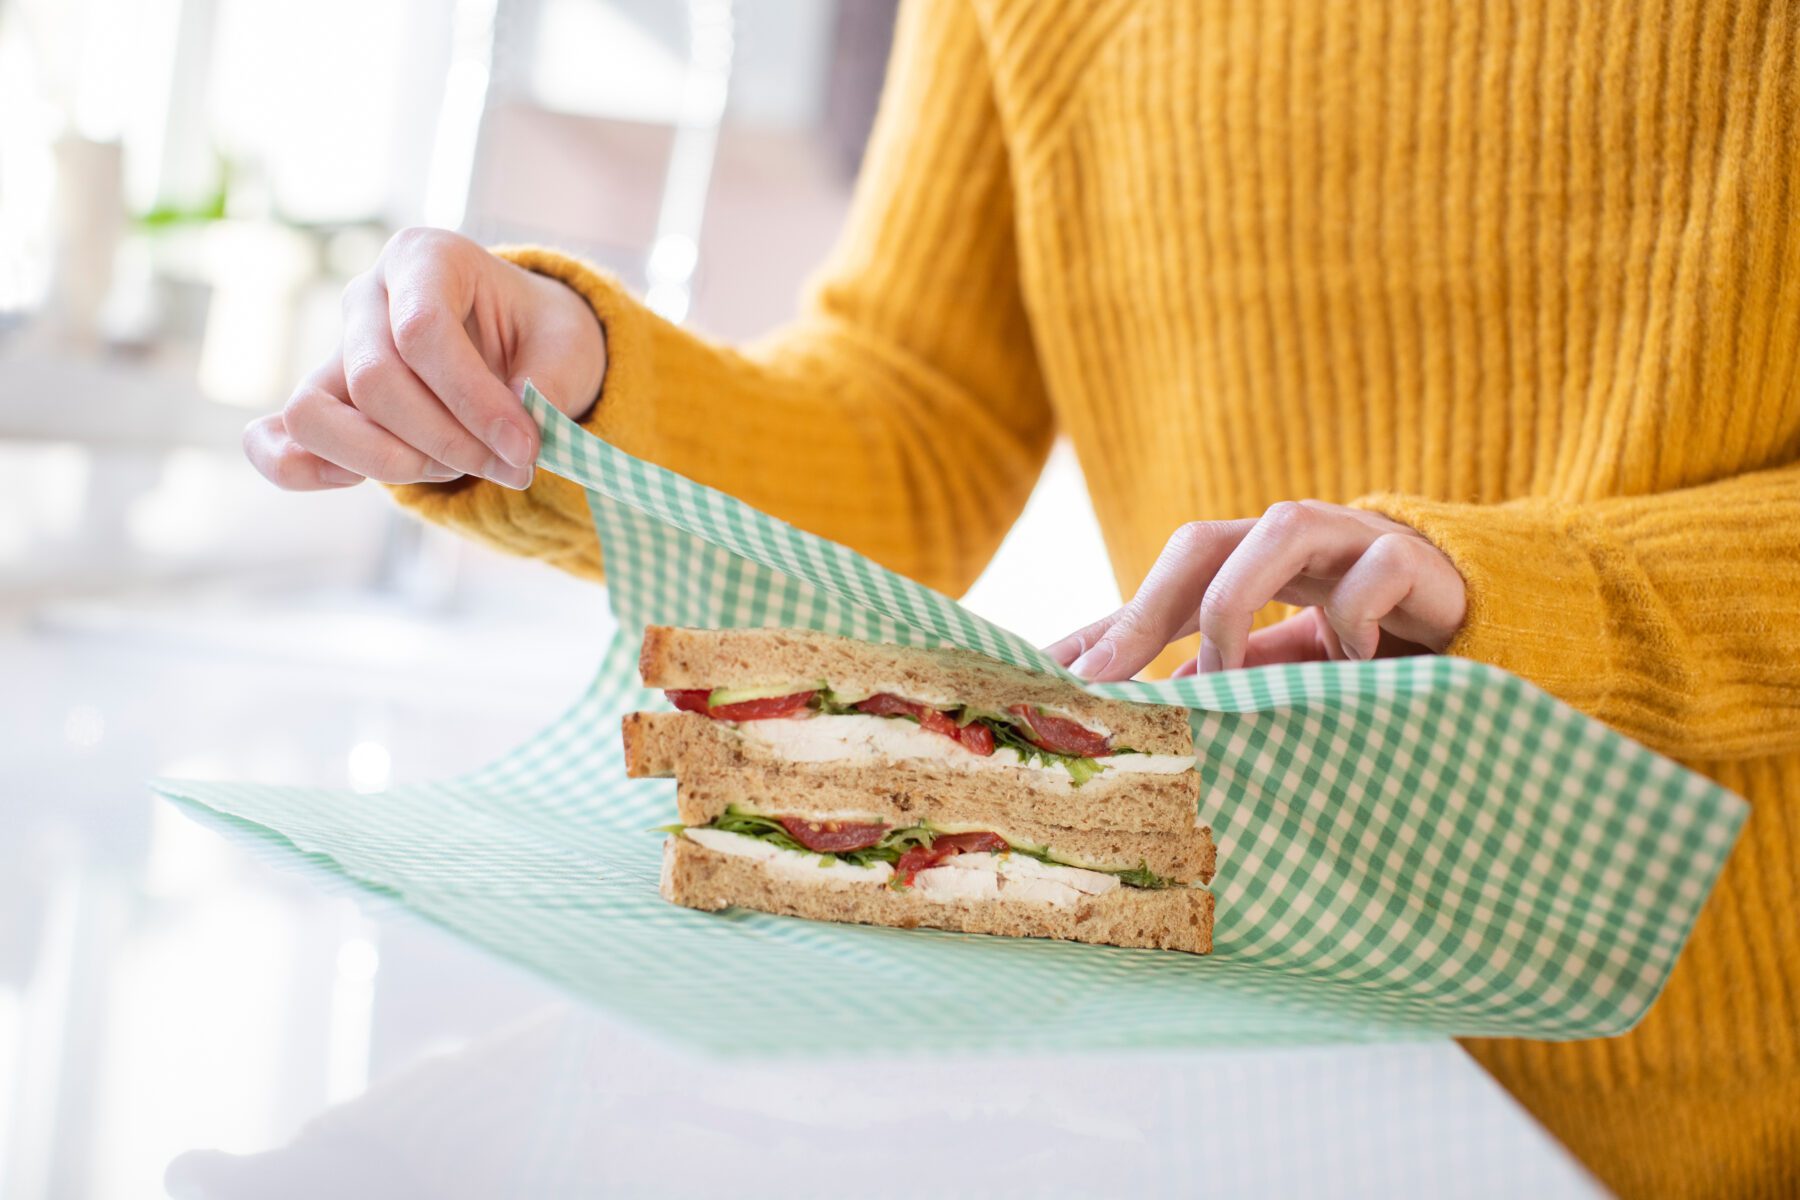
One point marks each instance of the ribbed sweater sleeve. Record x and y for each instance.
(902, 413)
(1674, 617)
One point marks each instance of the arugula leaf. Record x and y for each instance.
(768, 829)
(1142, 876)
(1080, 769)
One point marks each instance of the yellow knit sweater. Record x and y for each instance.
(1524, 275)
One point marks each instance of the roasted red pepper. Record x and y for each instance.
(974, 737)
(946, 845)
(832, 837)
(1059, 735)
(695, 700)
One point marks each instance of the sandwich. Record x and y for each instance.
(838, 780)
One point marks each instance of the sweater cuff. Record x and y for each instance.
(1536, 596)
(550, 519)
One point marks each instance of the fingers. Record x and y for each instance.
(329, 429)
(1164, 607)
(411, 398)
(1299, 638)
(1401, 584)
(1078, 643)
(429, 279)
(320, 419)
(385, 390)
(1371, 586)
(1303, 637)
(562, 348)
(287, 464)
(1289, 542)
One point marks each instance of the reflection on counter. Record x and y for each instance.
(569, 1104)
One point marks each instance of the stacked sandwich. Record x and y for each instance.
(849, 781)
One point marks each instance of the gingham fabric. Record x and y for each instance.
(1408, 848)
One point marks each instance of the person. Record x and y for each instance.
(1515, 291)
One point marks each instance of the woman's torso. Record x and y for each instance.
(1469, 250)
(1474, 251)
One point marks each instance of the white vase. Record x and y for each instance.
(90, 219)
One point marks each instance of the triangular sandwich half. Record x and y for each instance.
(840, 780)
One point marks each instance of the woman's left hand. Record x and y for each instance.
(1371, 588)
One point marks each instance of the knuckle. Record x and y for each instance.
(1192, 537)
(355, 289)
(1185, 538)
(418, 243)
(1287, 518)
(415, 326)
(289, 467)
(1394, 551)
(1128, 630)
(365, 375)
(1220, 603)
(414, 239)
(301, 410)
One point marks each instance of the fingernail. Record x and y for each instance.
(510, 443)
(1209, 657)
(333, 474)
(439, 473)
(1094, 661)
(506, 475)
(1353, 653)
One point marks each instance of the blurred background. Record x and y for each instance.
(185, 187)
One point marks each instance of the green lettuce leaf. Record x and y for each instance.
(1080, 769)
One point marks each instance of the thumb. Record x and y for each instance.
(571, 387)
(562, 351)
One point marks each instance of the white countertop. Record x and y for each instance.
(171, 1008)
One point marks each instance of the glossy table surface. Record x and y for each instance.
(176, 1013)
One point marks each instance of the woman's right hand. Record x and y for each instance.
(439, 338)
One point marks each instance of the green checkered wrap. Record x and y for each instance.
(1408, 848)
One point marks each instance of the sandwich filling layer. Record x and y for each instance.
(819, 725)
(910, 856)
(969, 877)
(877, 739)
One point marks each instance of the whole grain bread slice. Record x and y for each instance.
(1175, 918)
(691, 746)
(943, 677)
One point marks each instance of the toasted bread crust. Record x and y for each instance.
(1158, 919)
(696, 658)
(1122, 822)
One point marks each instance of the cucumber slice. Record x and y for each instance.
(721, 695)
